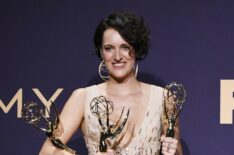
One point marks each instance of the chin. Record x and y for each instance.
(118, 76)
(121, 77)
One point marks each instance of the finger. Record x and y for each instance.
(168, 151)
(162, 138)
(110, 152)
(170, 141)
(169, 145)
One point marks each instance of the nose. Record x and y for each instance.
(118, 56)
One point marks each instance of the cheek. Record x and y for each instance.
(131, 61)
(107, 56)
(130, 55)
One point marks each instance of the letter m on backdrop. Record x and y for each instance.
(17, 97)
(226, 101)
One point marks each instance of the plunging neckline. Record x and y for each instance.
(146, 110)
(143, 137)
(146, 113)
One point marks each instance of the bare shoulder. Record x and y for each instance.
(77, 97)
(80, 92)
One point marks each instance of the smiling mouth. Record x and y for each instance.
(118, 65)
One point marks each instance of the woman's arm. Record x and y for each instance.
(71, 119)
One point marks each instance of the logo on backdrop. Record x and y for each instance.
(226, 101)
(18, 99)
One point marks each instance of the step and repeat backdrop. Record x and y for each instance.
(46, 52)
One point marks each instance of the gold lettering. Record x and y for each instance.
(226, 101)
(17, 97)
(47, 103)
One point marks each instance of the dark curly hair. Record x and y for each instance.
(132, 29)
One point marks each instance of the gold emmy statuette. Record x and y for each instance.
(102, 107)
(35, 116)
(174, 98)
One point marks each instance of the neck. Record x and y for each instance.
(125, 86)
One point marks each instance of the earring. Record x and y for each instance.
(103, 71)
(136, 69)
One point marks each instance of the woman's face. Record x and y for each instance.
(117, 54)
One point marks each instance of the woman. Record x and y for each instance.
(121, 39)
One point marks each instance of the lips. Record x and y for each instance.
(118, 65)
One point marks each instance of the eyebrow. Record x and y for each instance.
(107, 45)
(114, 46)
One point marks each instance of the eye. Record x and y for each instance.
(126, 48)
(108, 48)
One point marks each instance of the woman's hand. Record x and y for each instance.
(61, 152)
(109, 152)
(169, 145)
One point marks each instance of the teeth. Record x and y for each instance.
(119, 64)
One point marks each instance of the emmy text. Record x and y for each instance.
(18, 99)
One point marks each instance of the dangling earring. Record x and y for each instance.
(103, 71)
(135, 68)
